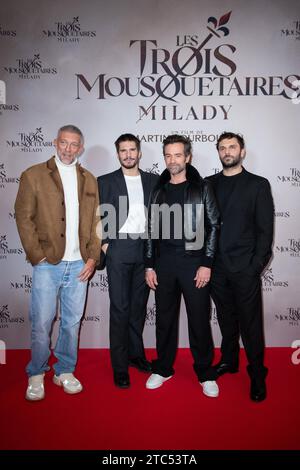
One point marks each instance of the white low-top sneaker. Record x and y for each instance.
(210, 388)
(68, 382)
(156, 381)
(35, 390)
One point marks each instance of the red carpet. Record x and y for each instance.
(176, 416)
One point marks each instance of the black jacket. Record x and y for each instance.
(246, 232)
(111, 186)
(201, 217)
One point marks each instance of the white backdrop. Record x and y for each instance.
(105, 67)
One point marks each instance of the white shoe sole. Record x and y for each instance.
(153, 387)
(210, 395)
(60, 384)
(29, 398)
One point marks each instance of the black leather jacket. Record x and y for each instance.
(201, 217)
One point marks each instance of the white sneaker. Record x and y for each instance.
(210, 388)
(156, 381)
(35, 390)
(68, 382)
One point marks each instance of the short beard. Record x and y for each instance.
(233, 163)
(130, 164)
(176, 170)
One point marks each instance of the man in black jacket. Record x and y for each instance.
(180, 250)
(246, 235)
(124, 196)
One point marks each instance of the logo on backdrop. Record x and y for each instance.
(213, 315)
(24, 285)
(291, 316)
(292, 247)
(87, 318)
(292, 179)
(293, 31)
(31, 68)
(6, 108)
(154, 169)
(7, 33)
(6, 318)
(198, 65)
(5, 179)
(32, 141)
(100, 281)
(151, 315)
(69, 31)
(270, 282)
(194, 136)
(6, 250)
(91, 317)
(282, 214)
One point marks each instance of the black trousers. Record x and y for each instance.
(128, 295)
(238, 301)
(175, 272)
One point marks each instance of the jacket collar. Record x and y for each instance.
(54, 173)
(52, 165)
(192, 176)
(243, 172)
(121, 181)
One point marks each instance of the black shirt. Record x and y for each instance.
(173, 226)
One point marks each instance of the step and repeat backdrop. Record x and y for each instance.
(151, 68)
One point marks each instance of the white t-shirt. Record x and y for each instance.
(136, 219)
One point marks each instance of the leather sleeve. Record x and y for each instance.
(211, 222)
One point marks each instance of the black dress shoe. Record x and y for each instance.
(121, 380)
(141, 364)
(224, 368)
(258, 389)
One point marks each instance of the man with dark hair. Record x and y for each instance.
(127, 191)
(56, 217)
(244, 249)
(180, 251)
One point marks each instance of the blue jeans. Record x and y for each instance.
(50, 283)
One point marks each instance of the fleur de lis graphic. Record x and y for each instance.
(3, 242)
(219, 25)
(154, 169)
(268, 276)
(34, 135)
(36, 57)
(223, 20)
(151, 313)
(4, 311)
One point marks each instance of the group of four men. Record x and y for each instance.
(176, 233)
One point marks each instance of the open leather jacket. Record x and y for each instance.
(201, 218)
